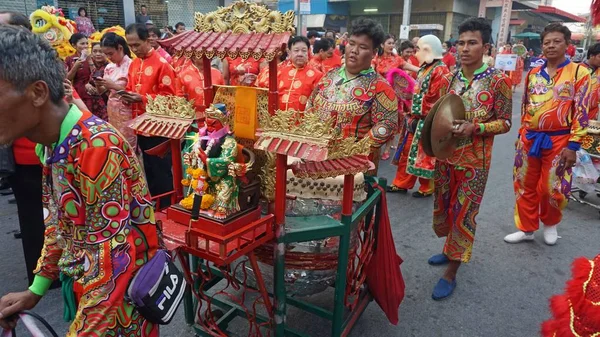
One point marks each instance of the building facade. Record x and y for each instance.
(440, 18)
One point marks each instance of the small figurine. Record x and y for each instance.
(213, 171)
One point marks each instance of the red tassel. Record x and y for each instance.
(595, 12)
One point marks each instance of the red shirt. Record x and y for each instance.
(449, 60)
(191, 85)
(413, 60)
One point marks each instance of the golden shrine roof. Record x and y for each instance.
(211, 44)
(243, 29)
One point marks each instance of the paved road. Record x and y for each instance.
(503, 291)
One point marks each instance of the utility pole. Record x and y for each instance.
(406, 12)
(589, 33)
(298, 17)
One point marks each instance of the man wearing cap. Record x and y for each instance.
(432, 83)
(460, 180)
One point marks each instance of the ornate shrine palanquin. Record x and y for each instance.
(591, 143)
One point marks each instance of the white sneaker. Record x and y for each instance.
(550, 235)
(518, 237)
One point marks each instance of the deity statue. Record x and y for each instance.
(212, 173)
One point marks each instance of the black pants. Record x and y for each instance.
(27, 187)
(159, 174)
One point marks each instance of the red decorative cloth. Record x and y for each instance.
(384, 277)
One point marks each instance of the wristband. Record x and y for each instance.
(40, 285)
(481, 128)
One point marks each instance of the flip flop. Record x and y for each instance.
(443, 289)
(438, 260)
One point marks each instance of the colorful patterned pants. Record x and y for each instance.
(406, 180)
(118, 320)
(458, 194)
(542, 188)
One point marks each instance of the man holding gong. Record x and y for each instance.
(460, 178)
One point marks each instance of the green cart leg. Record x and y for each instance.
(188, 297)
(280, 295)
(340, 287)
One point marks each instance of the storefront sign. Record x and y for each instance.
(304, 6)
(427, 26)
(507, 62)
(404, 30)
(504, 22)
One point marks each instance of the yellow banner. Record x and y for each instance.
(246, 118)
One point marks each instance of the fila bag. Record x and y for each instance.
(157, 289)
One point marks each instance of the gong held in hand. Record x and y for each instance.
(445, 116)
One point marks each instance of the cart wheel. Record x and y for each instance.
(582, 194)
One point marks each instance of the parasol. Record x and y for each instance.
(519, 50)
(527, 35)
(436, 136)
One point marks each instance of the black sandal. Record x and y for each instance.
(396, 189)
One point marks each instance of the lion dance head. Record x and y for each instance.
(51, 24)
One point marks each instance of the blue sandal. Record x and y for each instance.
(438, 260)
(443, 289)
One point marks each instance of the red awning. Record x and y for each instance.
(517, 22)
(560, 15)
(210, 44)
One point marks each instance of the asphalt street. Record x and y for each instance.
(503, 291)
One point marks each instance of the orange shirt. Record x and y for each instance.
(382, 64)
(238, 68)
(190, 84)
(294, 85)
(326, 65)
(150, 76)
(559, 103)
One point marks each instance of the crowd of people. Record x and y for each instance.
(89, 180)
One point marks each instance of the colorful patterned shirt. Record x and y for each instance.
(96, 207)
(364, 105)
(558, 103)
(594, 92)
(488, 104)
(294, 85)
